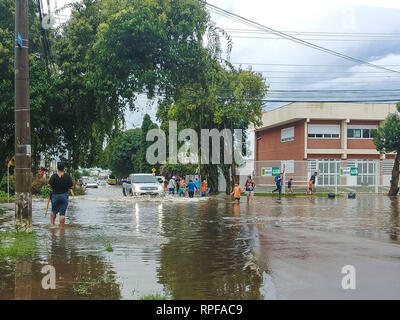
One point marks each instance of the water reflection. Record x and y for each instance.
(77, 276)
(196, 248)
(205, 258)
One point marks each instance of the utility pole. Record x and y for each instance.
(23, 197)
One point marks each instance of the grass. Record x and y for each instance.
(154, 296)
(17, 245)
(106, 243)
(295, 195)
(4, 198)
(84, 288)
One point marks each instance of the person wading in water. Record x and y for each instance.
(249, 187)
(60, 183)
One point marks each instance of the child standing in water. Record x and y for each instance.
(203, 188)
(182, 187)
(237, 190)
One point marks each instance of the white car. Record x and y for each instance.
(141, 184)
(91, 183)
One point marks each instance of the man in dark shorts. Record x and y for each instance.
(312, 180)
(60, 183)
(278, 181)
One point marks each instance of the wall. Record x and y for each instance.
(270, 147)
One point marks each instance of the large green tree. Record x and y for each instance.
(100, 60)
(126, 147)
(43, 91)
(223, 98)
(140, 160)
(387, 140)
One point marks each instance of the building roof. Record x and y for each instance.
(326, 111)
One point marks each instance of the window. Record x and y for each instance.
(360, 132)
(287, 134)
(366, 171)
(328, 171)
(324, 131)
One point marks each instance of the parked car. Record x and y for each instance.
(92, 183)
(160, 179)
(141, 184)
(111, 180)
(102, 183)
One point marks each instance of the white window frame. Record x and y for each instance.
(324, 130)
(288, 133)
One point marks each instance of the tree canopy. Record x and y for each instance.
(387, 140)
(101, 59)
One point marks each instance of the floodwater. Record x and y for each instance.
(211, 248)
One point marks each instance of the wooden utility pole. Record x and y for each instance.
(23, 197)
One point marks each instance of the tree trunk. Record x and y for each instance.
(227, 175)
(394, 183)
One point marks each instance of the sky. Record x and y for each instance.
(369, 30)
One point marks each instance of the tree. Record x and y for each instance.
(223, 98)
(42, 87)
(126, 146)
(100, 60)
(387, 140)
(140, 160)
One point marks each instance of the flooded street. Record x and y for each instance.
(115, 247)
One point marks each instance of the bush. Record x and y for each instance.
(37, 183)
(3, 184)
(45, 191)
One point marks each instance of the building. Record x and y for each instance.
(304, 137)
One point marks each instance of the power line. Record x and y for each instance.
(303, 65)
(246, 21)
(315, 39)
(352, 34)
(324, 72)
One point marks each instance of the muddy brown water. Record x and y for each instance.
(210, 248)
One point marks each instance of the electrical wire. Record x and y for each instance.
(256, 25)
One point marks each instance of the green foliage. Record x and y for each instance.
(139, 160)
(87, 286)
(387, 139)
(45, 191)
(223, 98)
(101, 59)
(178, 169)
(106, 243)
(387, 136)
(3, 184)
(38, 183)
(127, 145)
(17, 245)
(154, 296)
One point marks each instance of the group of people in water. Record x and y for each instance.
(178, 185)
(311, 188)
(61, 183)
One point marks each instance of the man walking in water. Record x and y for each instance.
(249, 188)
(60, 183)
